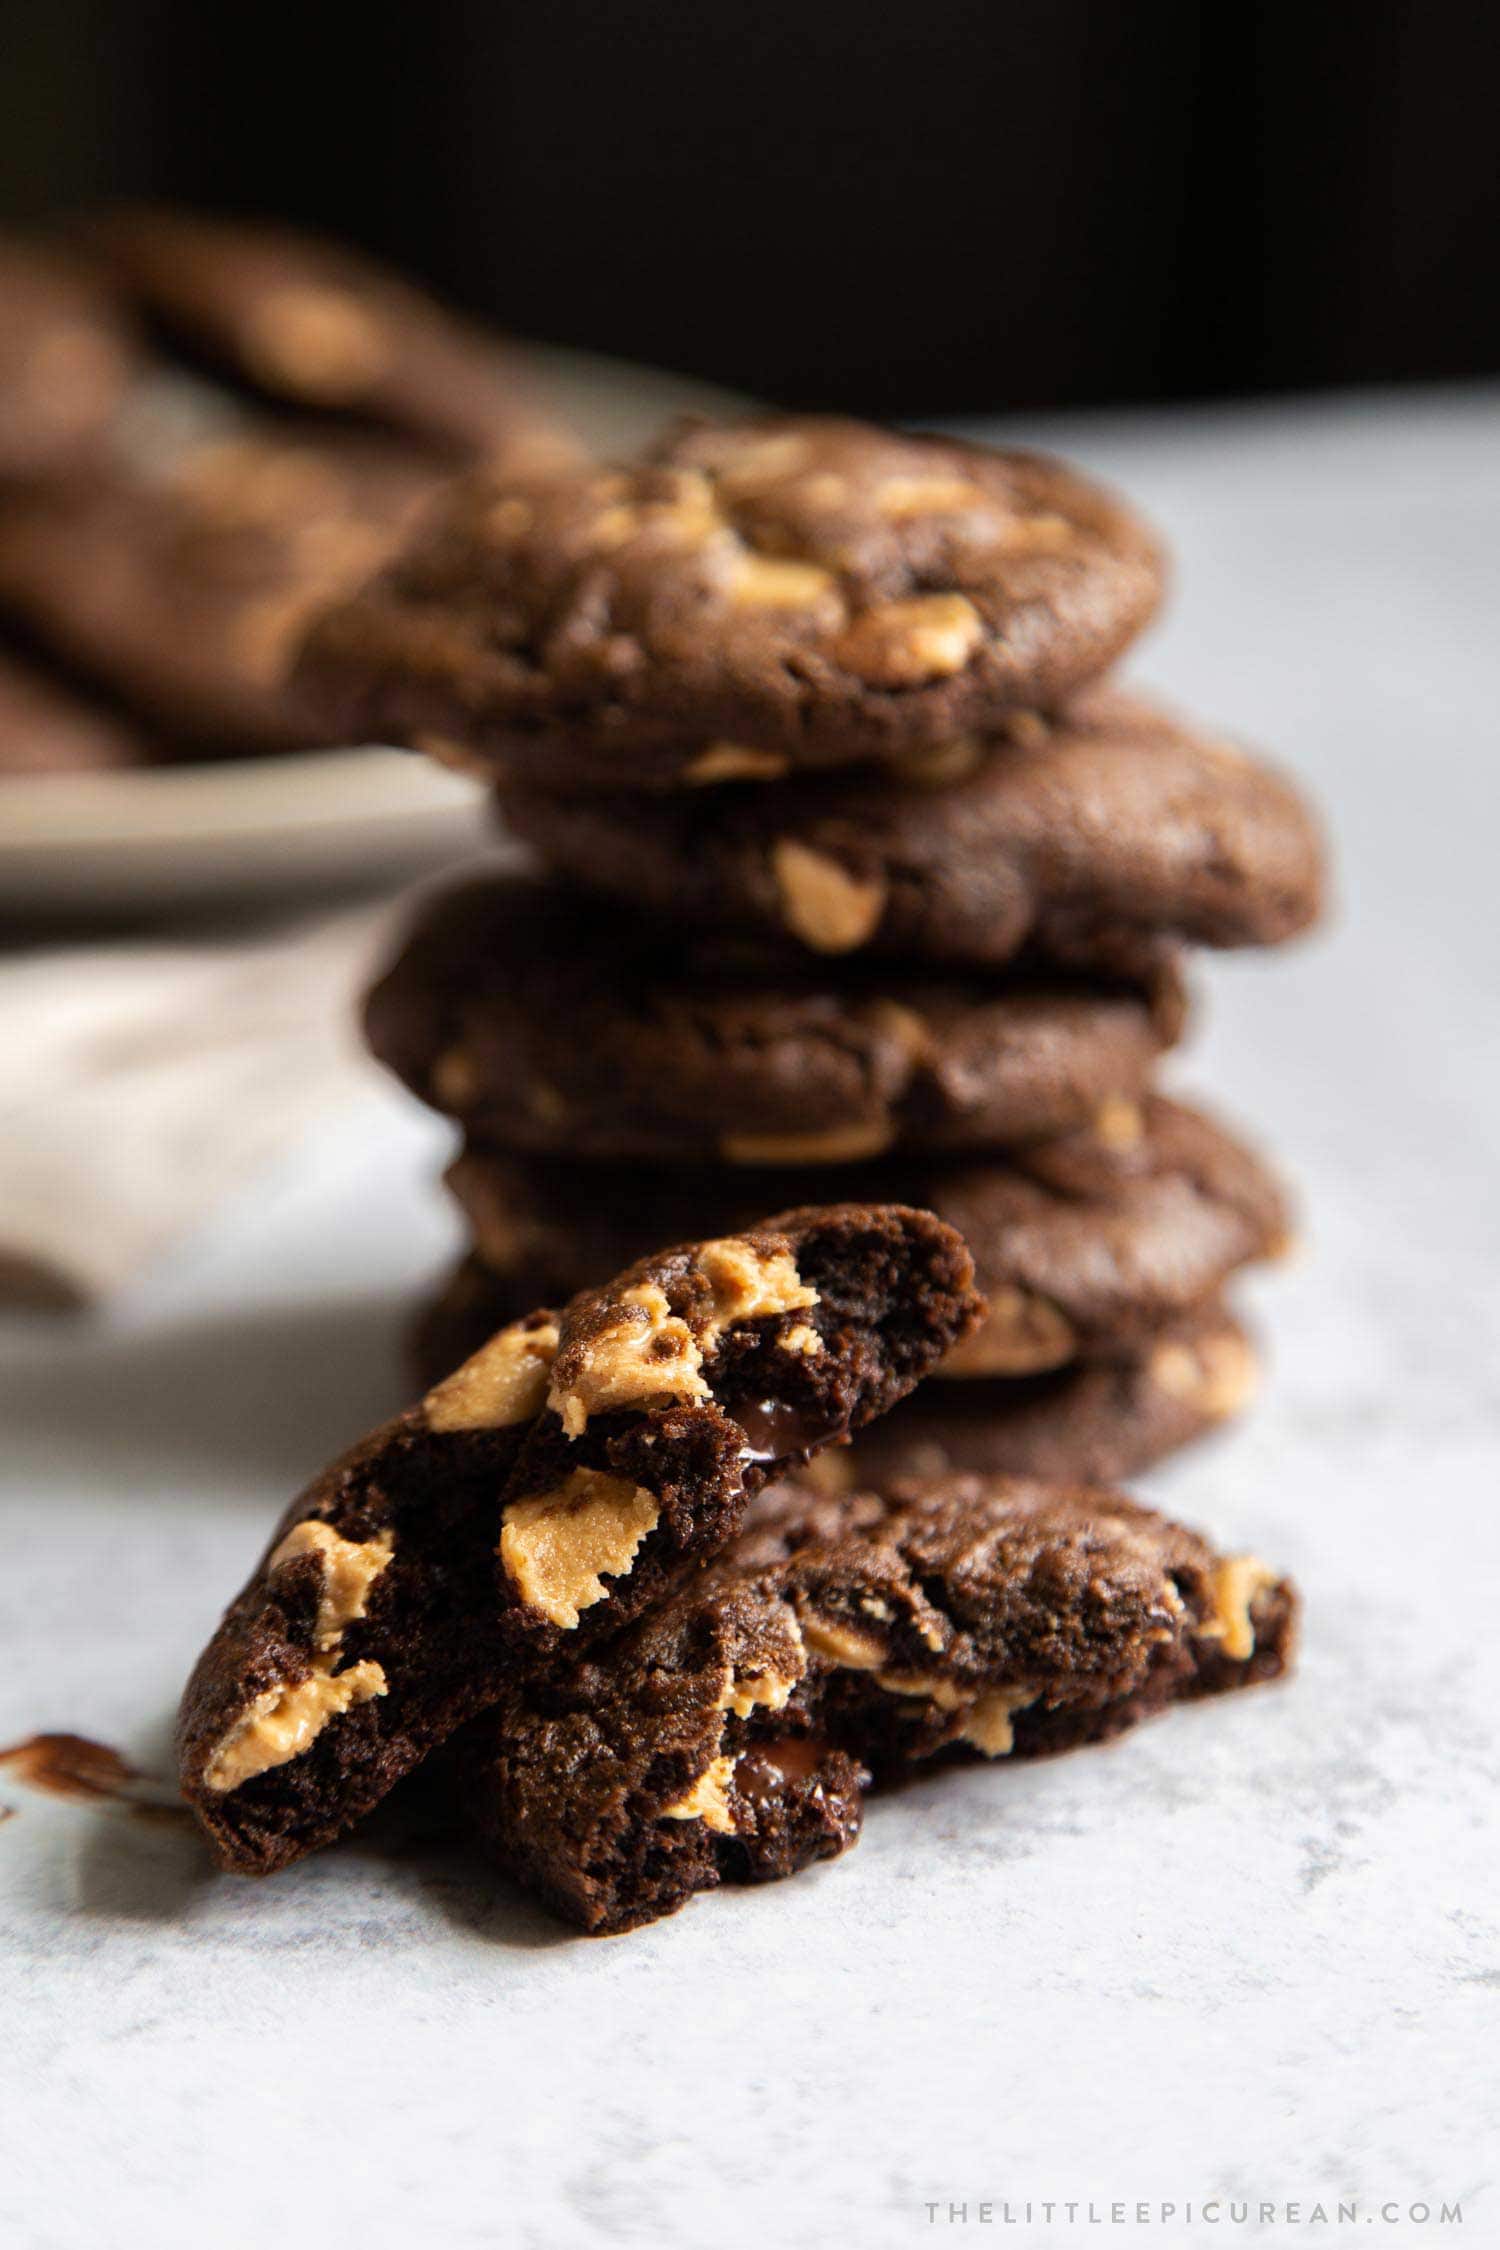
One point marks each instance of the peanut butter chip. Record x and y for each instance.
(557, 1547)
(504, 1383)
(734, 761)
(648, 1353)
(762, 461)
(988, 1723)
(1021, 1335)
(748, 1283)
(455, 1080)
(841, 1644)
(768, 1688)
(1032, 535)
(1028, 730)
(950, 763)
(320, 339)
(688, 516)
(350, 1569)
(1118, 1123)
(613, 526)
(895, 1020)
(842, 1144)
(511, 517)
(823, 902)
(1237, 1581)
(767, 1691)
(769, 582)
(986, 1720)
(903, 644)
(900, 497)
(926, 1687)
(284, 1721)
(1217, 1376)
(708, 1799)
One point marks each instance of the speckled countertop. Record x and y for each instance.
(1250, 1954)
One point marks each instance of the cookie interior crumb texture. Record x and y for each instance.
(731, 1734)
(554, 1487)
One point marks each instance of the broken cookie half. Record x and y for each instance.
(561, 1481)
(731, 1735)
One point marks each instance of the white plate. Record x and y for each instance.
(252, 825)
(110, 842)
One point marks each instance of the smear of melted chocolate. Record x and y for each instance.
(765, 1769)
(82, 1772)
(773, 1429)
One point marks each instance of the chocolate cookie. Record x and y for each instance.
(180, 570)
(552, 1023)
(1094, 1419)
(731, 1735)
(606, 1452)
(319, 327)
(46, 728)
(1081, 1244)
(67, 358)
(1114, 823)
(743, 600)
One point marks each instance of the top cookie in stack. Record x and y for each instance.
(746, 603)
(859, 862)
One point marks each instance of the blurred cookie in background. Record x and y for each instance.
(167, 537)
(47, 728)
(179, 567)
(312, 325)
(67, 356)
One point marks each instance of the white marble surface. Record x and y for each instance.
(1249, 1953)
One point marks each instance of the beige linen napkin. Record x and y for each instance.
(142, 1082)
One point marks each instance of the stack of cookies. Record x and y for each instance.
(858, 884)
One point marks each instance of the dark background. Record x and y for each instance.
(942, 204)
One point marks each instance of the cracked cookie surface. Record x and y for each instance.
(789, 592)
(550, 1023)
(731, 1735)
(561, 1480)
(1114, 823)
